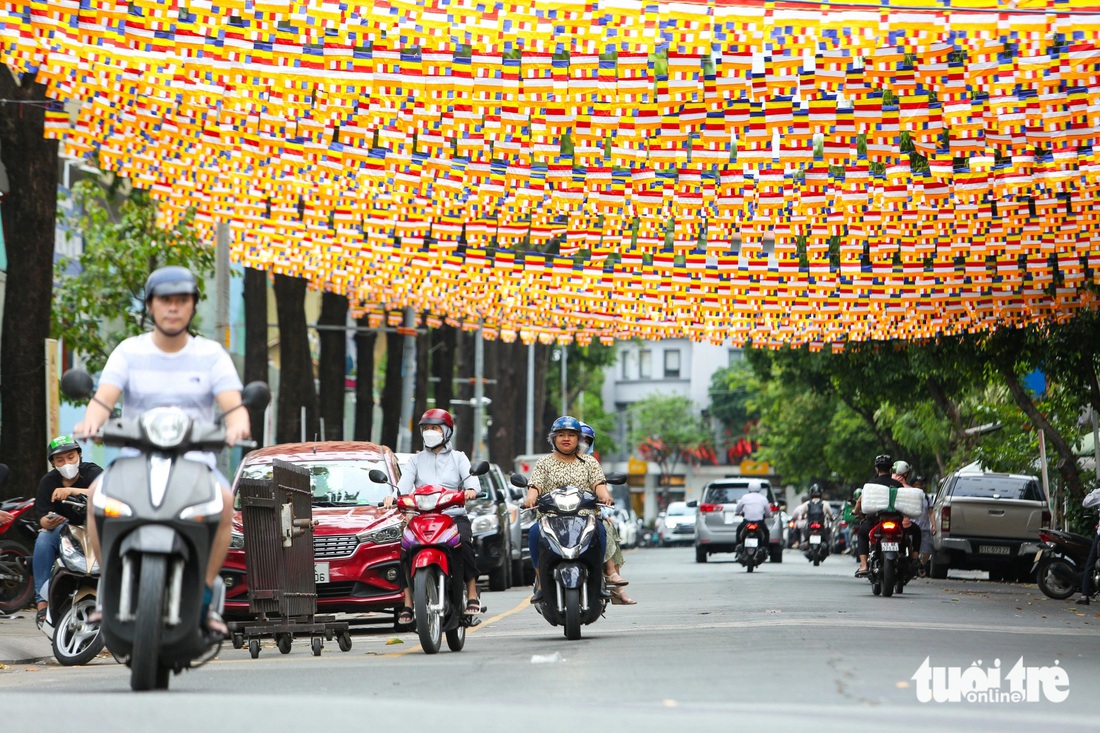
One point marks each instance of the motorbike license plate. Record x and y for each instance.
(320, 572)
(889, 546)
(815, 539)
(728, 517)
(751, 542)
(993, 550)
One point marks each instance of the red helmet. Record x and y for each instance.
(439, 417)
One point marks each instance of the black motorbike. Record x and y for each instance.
(753, 549)
(16, 553)
(570, 557)
(816, 548)
(156, 513)
(1060, 563)
(71, 596)
(889, 552)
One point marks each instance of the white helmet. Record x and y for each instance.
(901, 468)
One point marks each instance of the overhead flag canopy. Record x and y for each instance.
(782, 172)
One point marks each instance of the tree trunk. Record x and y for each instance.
(255, 340)
(543, 410)
(391, 390)
(364, 380)
(443, 366)
(504, 363)
(420, 389)
(1067, 466)
(296, 382)
(333, 367)
(29, 214)
(464, 371)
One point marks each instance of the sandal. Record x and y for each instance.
(474, 606)
(215, 625)
(862, 573)
(40, 617)
(620, 598)
(616, 579)
(405, 616)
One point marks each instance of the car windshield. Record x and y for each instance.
(727, 494)
(998, 487)
(679, 509)
(334, 483)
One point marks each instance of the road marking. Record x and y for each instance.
(416, 647)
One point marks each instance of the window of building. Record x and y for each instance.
(628, 364)
(736, 355)
(645, 364)
(672, 364)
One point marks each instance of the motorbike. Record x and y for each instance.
(1060, 563)
(753, 549)
(816, 549)
(156, 513)
(16, 553)
(570, 556)
(838, 542)
(888, 557)
(71, 597)
(430, 541)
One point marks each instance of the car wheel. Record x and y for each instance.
(700, 554)
(775, 553)
(939, 568)
(517, 572)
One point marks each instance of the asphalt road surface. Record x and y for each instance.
(708, 648)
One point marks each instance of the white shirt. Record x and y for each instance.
(447, 468)
(1092, 500)
(755, 506)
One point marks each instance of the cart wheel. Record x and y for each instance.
(316, 646)
(238, 640)
(328, 634)
(284, 641)
(254, 647)
(344, 640)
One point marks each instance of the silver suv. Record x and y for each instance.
(716, 525)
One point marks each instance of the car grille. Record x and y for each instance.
(326, 591)
(334, 545)
(683, 529)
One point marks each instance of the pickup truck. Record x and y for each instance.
(988, 521)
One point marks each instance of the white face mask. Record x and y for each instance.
(432, 438)
(69, 470)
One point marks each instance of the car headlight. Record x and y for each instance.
(485, 524)
(166, 427)
(669, 523)
(236, 541)
(426, 502)
(383, 536)
(72, 556)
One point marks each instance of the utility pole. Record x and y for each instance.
(408, 383)
(529, 443)
(479, 394)
(221, 309)
(564, 381)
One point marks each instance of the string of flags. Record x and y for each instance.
(795, 172)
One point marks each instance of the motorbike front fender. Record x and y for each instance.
(890, 556)
(570, 575)
(429, 556)
(155, 539)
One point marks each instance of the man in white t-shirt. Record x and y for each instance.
(168, 367)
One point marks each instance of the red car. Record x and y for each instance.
(356, 544)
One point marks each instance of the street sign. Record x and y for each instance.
(636, 467)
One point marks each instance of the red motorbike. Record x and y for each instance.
(888, 557)
(16, 553)
(430, 543)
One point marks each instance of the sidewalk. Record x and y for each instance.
(20, 640)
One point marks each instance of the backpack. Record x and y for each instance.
(815, 512)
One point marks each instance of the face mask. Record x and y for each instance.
(69, 470)
(432, 438)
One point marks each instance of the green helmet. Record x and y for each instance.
(857, 493)
(61, 444)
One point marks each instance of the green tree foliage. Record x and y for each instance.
(665, 429)
(733, 392)
(101, 304)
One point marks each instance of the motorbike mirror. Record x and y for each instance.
(378, 476)
(615, 478)
(77, 384)
(256, 395)
(518, 479)
(480, 469)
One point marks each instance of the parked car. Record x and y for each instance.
(678, 524)
(716, 524)
(988, 521)
(490, 521)
(627, 524)
(356, 544)
(513, 499)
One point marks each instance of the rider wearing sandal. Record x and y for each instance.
(439, 465)
(613, 556)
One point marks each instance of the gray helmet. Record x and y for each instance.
(171, 280)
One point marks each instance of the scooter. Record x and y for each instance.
(816, 549)
(156, 514)
(888, 556)
(1060, 563)
(16, 552)
(71, 596)
(430, 541)
(753, 549)
(570, 557)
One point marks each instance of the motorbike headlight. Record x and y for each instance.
(383, 536)
(110, 507)
(202, 512)
(567, 502)
(73, 556)
(236, 541)
(166, 427)
(485, 524)
(426, 502)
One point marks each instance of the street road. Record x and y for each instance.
(709, 648)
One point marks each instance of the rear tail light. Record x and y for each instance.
(774, 507)
(815, 525)
(1044, 536)
(889, 526)
(710, 508)
(842, 523)
(945, 519)
(1045, 523)
(752, 526)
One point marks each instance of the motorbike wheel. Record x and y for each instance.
(876, 588)
(888, 579)
(75, 642)
(16, 594)
(572, 614)
(817, 561)
(456, 638)
(146, 672)
(1050, 582)
(429, 624)
(749, 566)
